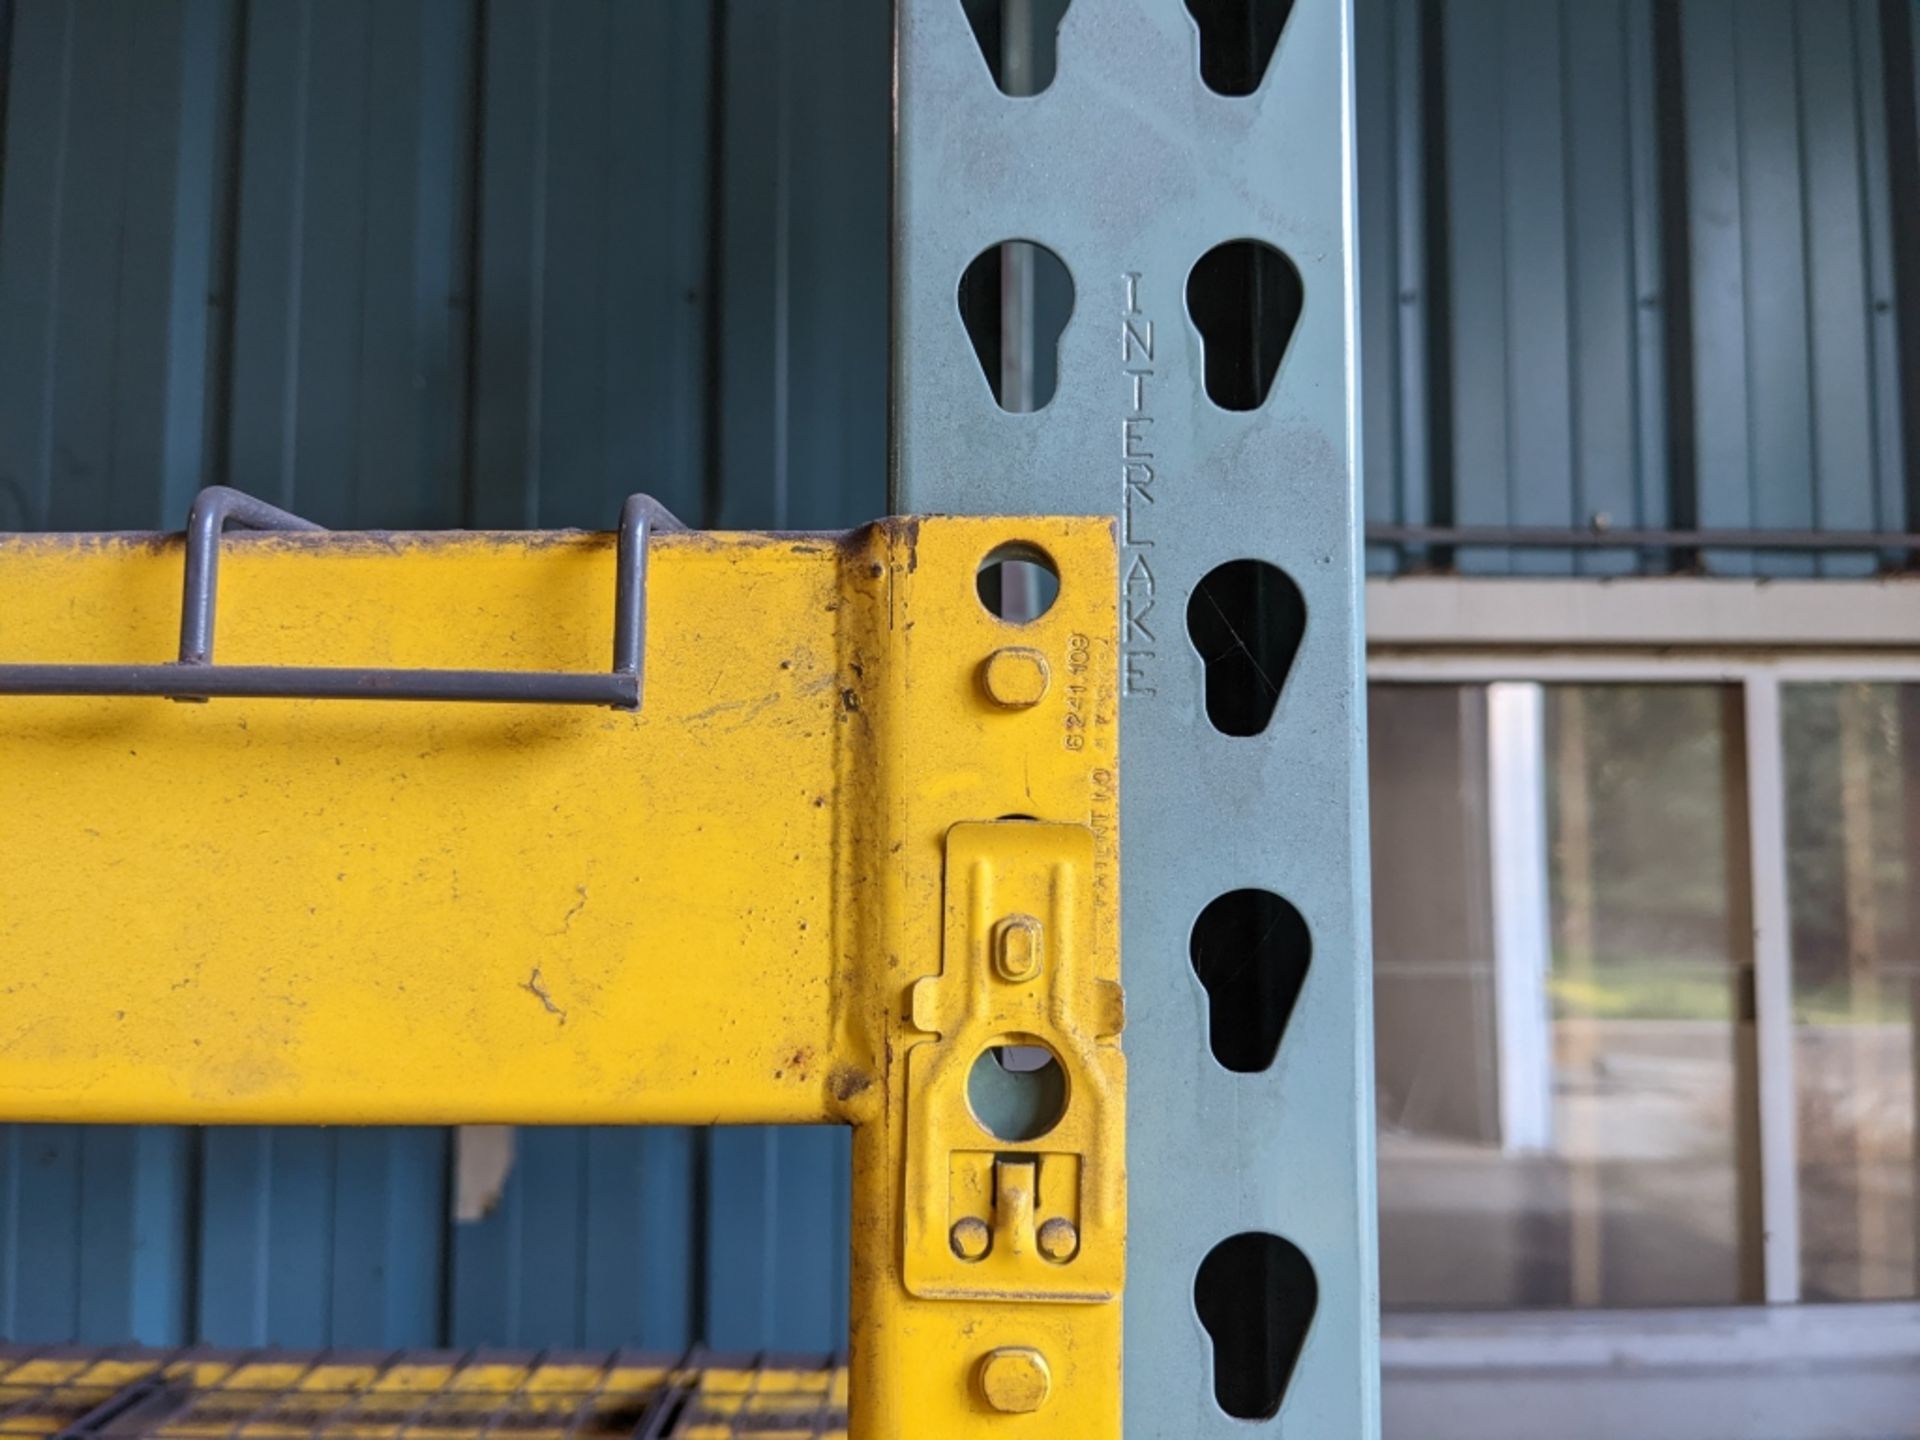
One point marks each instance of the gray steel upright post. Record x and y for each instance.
(1130, 169)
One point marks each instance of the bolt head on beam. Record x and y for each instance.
(1015, 677)
(1015, 1379)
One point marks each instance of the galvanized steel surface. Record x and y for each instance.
(1131, 170)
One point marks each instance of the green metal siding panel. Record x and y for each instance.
(1791, 274)
(346, 396)
(112, 206)
(95, 1233)
(309, 1236)
(591, 1243)
(590, 354)
(805, 159)
(1396, 307)
(777, 1243)
(1546, 165)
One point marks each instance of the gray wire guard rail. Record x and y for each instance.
(195, 677)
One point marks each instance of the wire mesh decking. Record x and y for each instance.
(416, 1395)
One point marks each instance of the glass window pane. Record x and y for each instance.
(1445, 1238)
(1561, 1083)
(1648, 964)
(1853, 779)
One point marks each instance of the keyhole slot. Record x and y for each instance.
(1019, 40)
(1015, 300)
(1255, 1294)
(1246, 618)
(1244, 298)
(1237, 41)
(1250, 949)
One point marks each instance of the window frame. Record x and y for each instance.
(1754, 636)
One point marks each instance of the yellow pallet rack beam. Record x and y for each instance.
(845, 840)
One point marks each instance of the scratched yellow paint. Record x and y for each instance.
(388, 912)
(956, 758)
(713, 911)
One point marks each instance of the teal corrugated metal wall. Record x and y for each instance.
(1639, 264)
(498, 262)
